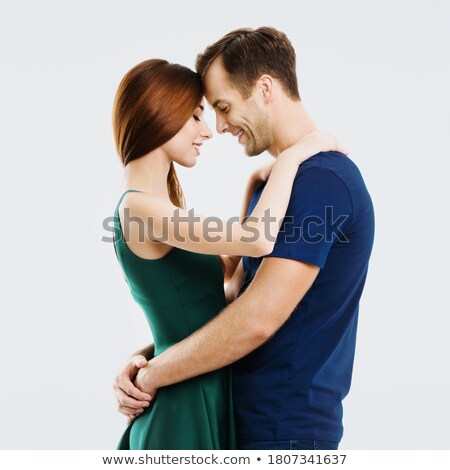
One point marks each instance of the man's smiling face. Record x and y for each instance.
(246, 119)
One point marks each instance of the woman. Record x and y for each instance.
(169, 258)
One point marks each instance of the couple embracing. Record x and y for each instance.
(264, 361)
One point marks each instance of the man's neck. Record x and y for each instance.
(292, 123)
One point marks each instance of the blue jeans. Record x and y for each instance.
(287, 444)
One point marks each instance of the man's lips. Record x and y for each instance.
(239, 135)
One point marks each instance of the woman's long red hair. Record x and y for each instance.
(154, 101)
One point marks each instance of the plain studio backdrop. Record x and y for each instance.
(375, 74)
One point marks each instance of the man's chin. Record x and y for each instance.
(252, 151)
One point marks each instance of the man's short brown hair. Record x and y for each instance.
(249, 53)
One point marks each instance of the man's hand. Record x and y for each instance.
(131, 400)
(143, 380)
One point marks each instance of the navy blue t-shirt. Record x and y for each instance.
(292, 386)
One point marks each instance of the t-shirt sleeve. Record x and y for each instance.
(319, 211)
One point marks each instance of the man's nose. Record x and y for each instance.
(221, 125)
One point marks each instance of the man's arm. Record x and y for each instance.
(279, 285)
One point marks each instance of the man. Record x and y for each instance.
(292, 330)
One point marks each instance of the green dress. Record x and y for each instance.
(179, 293)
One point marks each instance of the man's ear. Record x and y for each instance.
(265, 87)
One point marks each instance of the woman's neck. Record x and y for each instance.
(148, 174)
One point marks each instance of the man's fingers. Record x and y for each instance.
(127, 375)
(123, 382)
(130, 411)
(132, 367)
(129, 401)
(139, 361)
(129, 388)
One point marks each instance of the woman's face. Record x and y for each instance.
(184, 147)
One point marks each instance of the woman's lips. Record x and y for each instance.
(197, 148)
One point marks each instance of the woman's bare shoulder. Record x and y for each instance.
(135, 212)
(143, 203)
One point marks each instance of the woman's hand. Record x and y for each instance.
(311, 144)
(235, 284)
(232, 291)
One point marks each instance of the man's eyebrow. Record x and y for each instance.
(201, 107)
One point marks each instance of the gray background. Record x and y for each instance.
(376, 74)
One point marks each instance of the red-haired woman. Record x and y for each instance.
(174, 267)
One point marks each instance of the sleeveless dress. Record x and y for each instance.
(178, 293)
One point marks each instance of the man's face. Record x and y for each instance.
(246, 119)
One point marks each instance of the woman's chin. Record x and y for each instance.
(189, 163)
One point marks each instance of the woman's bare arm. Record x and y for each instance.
(255, 237)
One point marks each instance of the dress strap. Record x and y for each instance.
(127, 191)
(116, 217)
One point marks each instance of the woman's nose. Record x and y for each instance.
(206, 132)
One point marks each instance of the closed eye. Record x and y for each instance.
(198, 113)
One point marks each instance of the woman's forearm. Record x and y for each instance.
(253, 183)
(265, 219)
